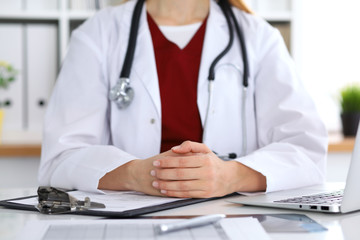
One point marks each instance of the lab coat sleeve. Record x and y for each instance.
(292, 139)
(76, 150)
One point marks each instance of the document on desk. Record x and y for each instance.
(115, 201)
(227, 229)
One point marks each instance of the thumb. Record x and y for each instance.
(191, 147)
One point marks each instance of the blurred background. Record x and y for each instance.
(322, 36)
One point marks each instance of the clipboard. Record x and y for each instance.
(17, 203)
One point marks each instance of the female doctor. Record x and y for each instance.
(201, 91)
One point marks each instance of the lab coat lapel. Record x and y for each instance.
(144, 65)
(216, 39)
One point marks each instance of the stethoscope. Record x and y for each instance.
(123, 94)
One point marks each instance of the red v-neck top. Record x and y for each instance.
(178, 72)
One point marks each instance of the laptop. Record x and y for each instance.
(316, 198)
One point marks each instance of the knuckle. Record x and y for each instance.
(164, 163)
(182, 162)
(182, 186)
(185, 195)
(161, 163)
(159, 174)
(162, 185)
(187, 142)
(173, 194)
(170, 194)
(180, 174)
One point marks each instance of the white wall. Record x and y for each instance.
(337, 167)
(330, 52)
(18, 172)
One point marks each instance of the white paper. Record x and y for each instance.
(247, 228)
(227, 229)
(115, 201)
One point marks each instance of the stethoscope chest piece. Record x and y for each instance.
(122, 93)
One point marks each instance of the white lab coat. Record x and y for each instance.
(86, 135)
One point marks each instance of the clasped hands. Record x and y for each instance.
(190, 170)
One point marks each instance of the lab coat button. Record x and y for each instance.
(152, 121)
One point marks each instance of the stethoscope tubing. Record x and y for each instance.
(122, 93)
(222, 4)
(230, 17)
(129, 57)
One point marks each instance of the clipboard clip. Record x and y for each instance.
(55, 201)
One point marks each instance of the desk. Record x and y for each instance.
(341, 226)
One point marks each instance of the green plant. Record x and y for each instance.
(350, 98)
(7, 74)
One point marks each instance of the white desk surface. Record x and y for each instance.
(340, 226)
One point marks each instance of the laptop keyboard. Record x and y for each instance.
(329, 198)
